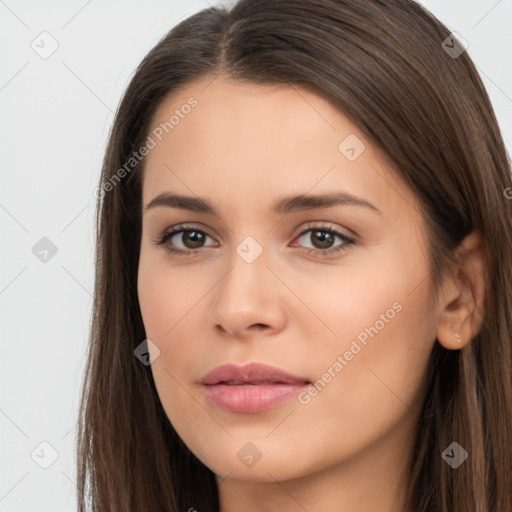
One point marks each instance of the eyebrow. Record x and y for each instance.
(284, 205)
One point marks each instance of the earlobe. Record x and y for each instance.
(462, 299)
(454, 333)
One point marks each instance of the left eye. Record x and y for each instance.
(323, 240)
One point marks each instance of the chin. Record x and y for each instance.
(243, 461)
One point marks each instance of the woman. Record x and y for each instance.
(304, 271)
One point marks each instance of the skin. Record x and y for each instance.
(241, 148)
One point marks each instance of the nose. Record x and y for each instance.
(248, 299)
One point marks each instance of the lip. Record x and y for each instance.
(251, 388)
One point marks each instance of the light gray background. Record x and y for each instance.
(55, 117)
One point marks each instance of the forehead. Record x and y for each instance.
(219, 137)
(282, 116)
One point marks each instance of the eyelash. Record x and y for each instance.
(316, 252)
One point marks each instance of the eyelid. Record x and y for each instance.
(327, 226)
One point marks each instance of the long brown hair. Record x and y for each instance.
(387, 66)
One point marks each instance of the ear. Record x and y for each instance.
(462, 295)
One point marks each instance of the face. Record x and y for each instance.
(333, 290)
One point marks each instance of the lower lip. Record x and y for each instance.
(251, 398)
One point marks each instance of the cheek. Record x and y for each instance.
(166, 297)
(172, 305)
(372, 370)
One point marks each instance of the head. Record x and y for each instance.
(246, 108)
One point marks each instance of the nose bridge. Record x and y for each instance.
(248, 264)
(247, 294)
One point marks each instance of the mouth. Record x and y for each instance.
(251, 388)
(250, 383)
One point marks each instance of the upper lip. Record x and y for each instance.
(250, 373)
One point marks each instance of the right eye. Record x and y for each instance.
(190, 237)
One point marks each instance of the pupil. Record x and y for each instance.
(325, 239)
(193, 236)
